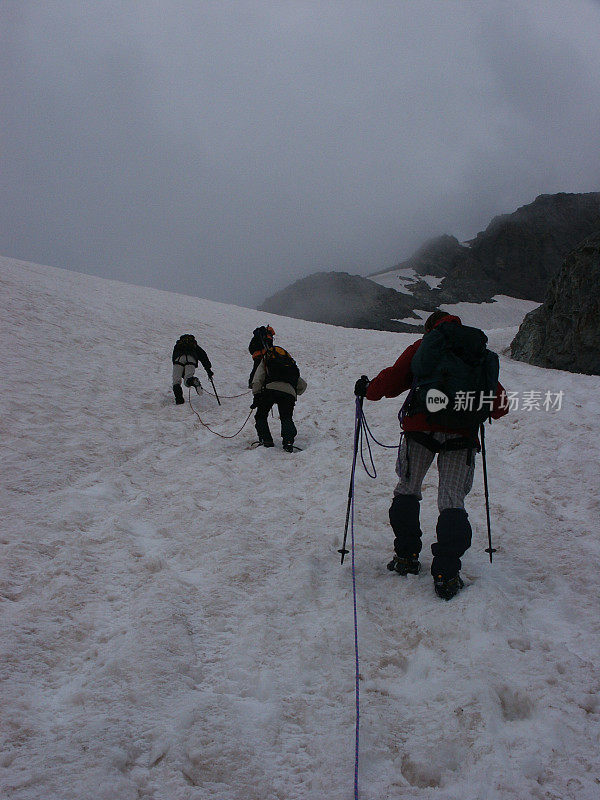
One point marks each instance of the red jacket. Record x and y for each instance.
(392, 381)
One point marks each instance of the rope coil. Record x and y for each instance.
(365, 436)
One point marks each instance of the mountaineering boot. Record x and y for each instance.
(178, 392)
(267, 442)
(447, 588)
(288, 446)
(193, 381)
(405, 565)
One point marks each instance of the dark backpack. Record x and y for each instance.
(185, 345)
(261, 339)
(280, 366)
(453, 361)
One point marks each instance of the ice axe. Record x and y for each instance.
(215, 391)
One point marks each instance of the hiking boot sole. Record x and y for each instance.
(446, 592)
(404, 569)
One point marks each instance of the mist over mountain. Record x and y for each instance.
(517, 255)
(347, 300)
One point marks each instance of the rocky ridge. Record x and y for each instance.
(517, 255)
(338, 298)
(564, 332)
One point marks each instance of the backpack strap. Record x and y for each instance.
(424, 439)
(405, 409)
(462, 443)
(468, 443)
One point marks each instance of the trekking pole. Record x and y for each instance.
(213, 385)
(489, 549)
(359, 403)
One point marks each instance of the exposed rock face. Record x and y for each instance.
(564, 332)
(521, 252)
(517, 255)
(437, 257)
(446, 257)
(338, 298)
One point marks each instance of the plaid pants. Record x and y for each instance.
(456, 470)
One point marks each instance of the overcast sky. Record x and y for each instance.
(225, 149)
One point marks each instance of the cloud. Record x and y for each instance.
(227, 148)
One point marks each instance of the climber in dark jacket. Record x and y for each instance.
(186, 355)
(262, 339)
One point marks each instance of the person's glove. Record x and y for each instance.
(255, 401)
(361, 386)
(210, 373)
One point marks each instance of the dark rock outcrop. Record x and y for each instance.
(517, 254)
(445, 257)
(338, 298)
(521, 252)
(564, 332)
(437, 257)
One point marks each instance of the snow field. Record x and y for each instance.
(176, 621)
(502, 312)
(404, 280)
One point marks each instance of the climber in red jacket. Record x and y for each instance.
(424, 437)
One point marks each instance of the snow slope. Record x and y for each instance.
(502, 312)
(404, 280)
(176, 623)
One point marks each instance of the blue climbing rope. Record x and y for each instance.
(368, 431)
(362, 437)
(365, 436)
(356, 666)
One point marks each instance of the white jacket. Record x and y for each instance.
(259, 382)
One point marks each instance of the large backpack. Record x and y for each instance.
(258, 341)
(185, 345)
(280, 366)
(261, 339)
(453, 362)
